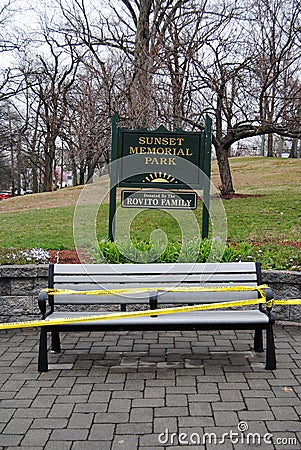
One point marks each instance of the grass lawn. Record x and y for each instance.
(270, 220)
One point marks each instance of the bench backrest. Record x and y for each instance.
(153, 276)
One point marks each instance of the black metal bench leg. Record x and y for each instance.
(258, 341)
(43, 357)
(55, 342)
(270, 353)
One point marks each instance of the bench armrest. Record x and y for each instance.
(42, 299)
(269, 296)
(269, 293)
(42, 302)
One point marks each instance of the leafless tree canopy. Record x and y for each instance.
(155, 62)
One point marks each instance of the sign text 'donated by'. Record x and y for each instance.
(158, 199)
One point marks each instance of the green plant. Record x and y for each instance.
(270, 256)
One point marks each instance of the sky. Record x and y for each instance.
(25, 16)
(18, 20)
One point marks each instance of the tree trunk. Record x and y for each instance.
(82, 171)
(222, 151)
(262, 148)
(294, 148)
(270, 145)
(12, 160)
(74, 169)
(74, 176)
(49, 151)
(35, 183)
(19, 164)
(226, 187)
(141, 92)
(47, 181)
(91, 169)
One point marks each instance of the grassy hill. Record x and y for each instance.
(268, 217)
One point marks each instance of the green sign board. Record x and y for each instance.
(160, 159)
(155, 157)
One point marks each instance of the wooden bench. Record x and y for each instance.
(152, 277)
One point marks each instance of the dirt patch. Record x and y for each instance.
(291, 244)
(68, 257)
(296, 244)
(64, 257)
(231, 196)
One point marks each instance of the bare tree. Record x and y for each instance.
(50, 82)
(164, 60)
(10, 40)
(6, 145)
(134, 31)
(241, 75)
(87, 125)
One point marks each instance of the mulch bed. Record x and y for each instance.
(64, 257)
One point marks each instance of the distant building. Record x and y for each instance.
(63, 179)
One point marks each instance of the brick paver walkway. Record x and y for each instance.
(150, 390)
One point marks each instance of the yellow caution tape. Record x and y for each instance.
(292, 301)
(127, 315)
(260, 289)
(154, 312)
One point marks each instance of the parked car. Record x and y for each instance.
(5, 194)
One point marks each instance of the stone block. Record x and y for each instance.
(4, 286)
(17, 306)
(22, 286)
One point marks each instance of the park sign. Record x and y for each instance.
(155, 156)
(160, 160)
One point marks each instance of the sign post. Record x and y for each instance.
(207, 170)
(113, 176)
(161, 160)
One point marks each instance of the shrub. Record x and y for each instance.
(270, 256)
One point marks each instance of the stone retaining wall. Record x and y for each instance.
(285, 285)
(19, 286)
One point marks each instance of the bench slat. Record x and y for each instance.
(195, 318)
(177, 268)
(163, 298)
(152, 286)
(162, 279)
